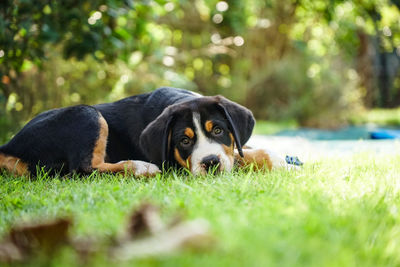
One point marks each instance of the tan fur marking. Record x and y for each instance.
(13, 165)
(99, 153)
(258, 157)
(208, 125)
(169, 142)
(179, 159)
(232, 140)
(189, 133)
(229, 150)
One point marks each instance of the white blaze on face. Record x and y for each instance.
(205, 147)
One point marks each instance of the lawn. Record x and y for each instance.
(273, 127)
(382, 117)
(335, 212)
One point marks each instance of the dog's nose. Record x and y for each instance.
(210, 162)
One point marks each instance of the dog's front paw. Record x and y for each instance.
(288, 163)
(142, 168)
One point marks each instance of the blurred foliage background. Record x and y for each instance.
(314, 62)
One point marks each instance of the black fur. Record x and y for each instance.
(64, 139)
(241, 122)
(61, 140)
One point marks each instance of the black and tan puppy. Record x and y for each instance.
(139, 135)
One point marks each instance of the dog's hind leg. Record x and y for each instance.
(13, 164)
(135, 167)
(262, 159)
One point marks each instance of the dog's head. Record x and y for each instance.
(199, 134)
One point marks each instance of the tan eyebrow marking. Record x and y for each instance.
(189, 132)
(208, 125)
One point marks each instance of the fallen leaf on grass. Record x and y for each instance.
(145, 220)
(24, 241)
(9, 252)
(146, 235)
(190, 234)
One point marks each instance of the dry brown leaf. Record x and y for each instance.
(190, 234)
(25, 240)
(144, 220)
(146, 235)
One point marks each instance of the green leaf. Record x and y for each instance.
(27, 65)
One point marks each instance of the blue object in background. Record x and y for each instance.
(385, 134)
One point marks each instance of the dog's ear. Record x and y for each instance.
(241, 121)
(154, 140)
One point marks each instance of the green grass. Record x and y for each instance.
(377, 116)
(336, 212)
(381, 117)
(272, 127)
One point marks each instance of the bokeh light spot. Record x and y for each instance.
(217, 18)
(238, 41)
(168, 61)
(222, 6)
(216, 38)
(169, 6)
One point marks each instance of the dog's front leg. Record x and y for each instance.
(262, 159)
(135, 167)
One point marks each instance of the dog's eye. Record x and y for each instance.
(186, 141)
(217, 131)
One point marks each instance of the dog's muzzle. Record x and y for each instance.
(210, 162)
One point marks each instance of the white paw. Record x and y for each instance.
(142, 168)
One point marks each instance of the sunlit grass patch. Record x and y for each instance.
(336, 211)
(381, 117)
(273, 127)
